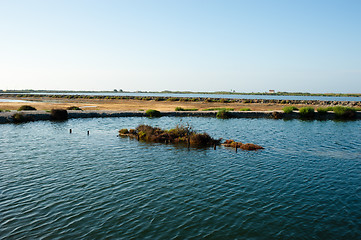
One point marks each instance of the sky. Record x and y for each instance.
(185, 45)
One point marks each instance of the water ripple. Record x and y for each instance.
(56, 185)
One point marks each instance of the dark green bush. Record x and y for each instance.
(26, 108)
(289, 109)
(307, 112)
(153, 113)
(223, 114)
(59, 114)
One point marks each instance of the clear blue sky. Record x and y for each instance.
(197, 45)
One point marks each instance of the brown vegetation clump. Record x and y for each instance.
(180, 134)
(247, 146)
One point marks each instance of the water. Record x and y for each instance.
(12, 100)
(194, 95)
(305, 184)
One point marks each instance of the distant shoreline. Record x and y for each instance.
(189, 92)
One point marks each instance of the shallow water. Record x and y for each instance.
(12, 100)
(305, 184)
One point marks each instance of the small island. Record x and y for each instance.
(181, 135)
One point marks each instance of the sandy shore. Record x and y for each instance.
(47, 103)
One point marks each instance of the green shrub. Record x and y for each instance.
(245, 109)
(322, 110)
(289, 109)
(344, 112)
(59, 114)
(152, 113)
(74, 108)
(223, 114)
(307, 112)
(26, 108)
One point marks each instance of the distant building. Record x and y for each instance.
(271, 91)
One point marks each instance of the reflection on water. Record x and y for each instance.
(306, 182)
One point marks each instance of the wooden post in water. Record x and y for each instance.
(236, 148)
(215, 147)
(69, 130)
(88, 133)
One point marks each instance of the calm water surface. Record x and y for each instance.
(305, 184)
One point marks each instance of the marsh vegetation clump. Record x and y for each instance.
(180, 134)
(223, 114)
(59, 114)
(245, 109)
(246, 146)
(151, 113)
(289, 109)
(26, 108)
(344, 112)
(307, 112)
(322, 110)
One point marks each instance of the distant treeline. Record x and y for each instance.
(190, 92)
